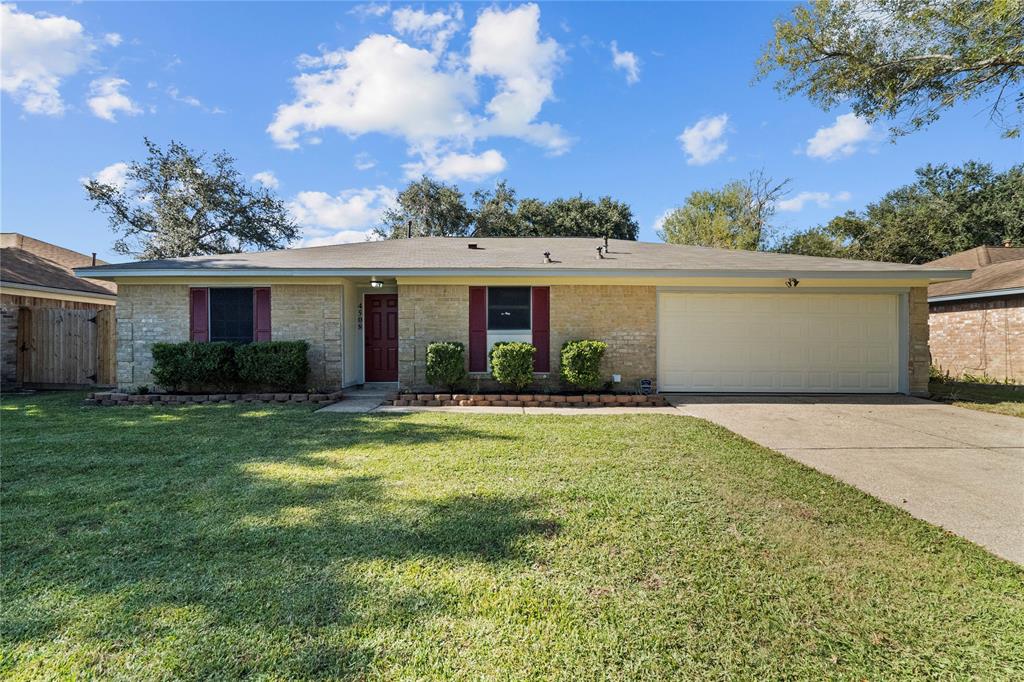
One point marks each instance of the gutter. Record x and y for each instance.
(977, 294)
(109, 272)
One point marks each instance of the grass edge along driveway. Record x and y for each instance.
(271, 543)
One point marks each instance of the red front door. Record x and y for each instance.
(381, 331)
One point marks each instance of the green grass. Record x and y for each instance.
(984, 397)
(217, 542)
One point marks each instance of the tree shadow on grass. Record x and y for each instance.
(197, 542)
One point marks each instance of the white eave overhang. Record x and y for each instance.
(976, 294)
(58, 290)
(110, 273)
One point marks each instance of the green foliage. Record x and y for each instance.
(737, 216)
(512, 364)
(898, 59)
(944, 211)
(433, 208)
(194, 366)
(174, 204)
(581, 363)
(273, 364)
(446, 364)
(224, 366)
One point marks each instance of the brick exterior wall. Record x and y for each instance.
(918, 358)
(150, 313)
(8, 346)
(622, 316)
(981, 337)
(428, 313)
(311, 313)
(147, 314)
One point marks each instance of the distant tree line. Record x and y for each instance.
(427, 207)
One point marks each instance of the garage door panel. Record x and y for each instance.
(778, 342)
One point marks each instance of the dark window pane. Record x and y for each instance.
(231, 315)
(508, 308)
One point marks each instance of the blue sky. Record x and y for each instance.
(338, 105)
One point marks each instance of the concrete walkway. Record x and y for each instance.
(960, 469)
(361, 399)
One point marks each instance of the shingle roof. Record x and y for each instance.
(996, 268)
(454, 255)
(18, 266)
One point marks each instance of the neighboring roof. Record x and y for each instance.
(39, 264)
(998, 271)
(512, 256)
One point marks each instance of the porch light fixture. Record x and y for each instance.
(792, 282)
(376, 283)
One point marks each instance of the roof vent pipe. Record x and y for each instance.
(547, 256)
(473, 245)
(606, 244)
(94, 259)
(600, 252)
(408, 230)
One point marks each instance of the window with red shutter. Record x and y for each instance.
(199, 314)
(261, 313)
(542, 329)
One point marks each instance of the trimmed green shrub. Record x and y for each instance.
(194, 365)
(581, 363)
(512, 364)
(446, 364)
(273, 364)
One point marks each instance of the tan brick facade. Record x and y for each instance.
(918, 359)
(150, 313)
(310, 312)
(980, 336)
(147, 314)
(428, 313)
(622, 316)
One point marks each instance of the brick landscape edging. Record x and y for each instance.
(113, 398)
(528, 400)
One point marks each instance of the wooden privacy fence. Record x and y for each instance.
(66, 347)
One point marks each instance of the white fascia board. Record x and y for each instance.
(977, 294)
(107, 273)
(58, 290)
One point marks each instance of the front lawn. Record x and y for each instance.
(984, 397)
(217, 542)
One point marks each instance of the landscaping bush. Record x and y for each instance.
(446, 364)
(512, 364)
(273, 364)
(581, 363)
(194, 365)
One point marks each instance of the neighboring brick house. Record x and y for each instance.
(685, 318)
(38, 275)
(977, 324)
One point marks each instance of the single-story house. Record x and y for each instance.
(977, 324)
(39, 294)
(685, 318)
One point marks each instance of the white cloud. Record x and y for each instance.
(346, 217)
(841, 138)
(822, 199)
(370, 9)
(113, 39)
(430, 98)
(507, 45)
(455, 166)
(435, 28)
(106, 98)
(267, 179)
(382, 85)
(115, 174)
(703, 141)
(36, 54)
(364, 161)
(626, 61)
(176, 95)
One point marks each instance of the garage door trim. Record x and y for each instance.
(903, 316)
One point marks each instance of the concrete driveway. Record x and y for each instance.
(960, 469)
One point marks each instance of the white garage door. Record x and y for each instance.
(786, 343)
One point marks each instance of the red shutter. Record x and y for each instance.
(199, 314)
(478, 329)
(261, 314)
(542, 328)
